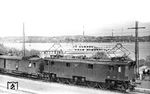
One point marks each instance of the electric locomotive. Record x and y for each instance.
(94, 73)
(105, 74)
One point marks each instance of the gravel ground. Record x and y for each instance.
(26, 86)
(144, 84)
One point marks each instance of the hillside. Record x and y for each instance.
(78, 38)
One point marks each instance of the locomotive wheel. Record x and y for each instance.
(53, 78)
(90, 84)
(102, 85)
(61, 80)
(67, 81)
(123, 89)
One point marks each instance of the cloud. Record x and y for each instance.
(66, 17)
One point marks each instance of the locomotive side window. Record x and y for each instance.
(4, 63)
(34, 64)
(111, 68)
(47, 63)
(90, 66)
(68, 64)
(119, 69)
(52, 63)
(30, 64)
(129, 67)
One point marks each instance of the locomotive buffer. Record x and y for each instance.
(137, 45)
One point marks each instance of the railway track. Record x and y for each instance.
(41, 87)
(136, 91)
(139, 92)
(82, 85)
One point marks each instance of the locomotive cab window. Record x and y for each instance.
(111, 68)
(90, 66)
(30, 64)
(119, 68)
(67, 64)
(34, 64)
(46, 61)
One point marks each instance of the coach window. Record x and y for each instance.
(68, 64)
(4, 63)
(90, 66)
(17, 65)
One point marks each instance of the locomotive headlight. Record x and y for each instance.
(108, 76)
(83, 79)
(75, 78)
(114, 76)
(113, 82)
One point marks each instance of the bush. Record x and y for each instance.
(3, 49)
(148, 61)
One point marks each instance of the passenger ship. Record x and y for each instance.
(85, 50)
(76, 50)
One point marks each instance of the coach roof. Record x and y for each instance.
(10, 57)
(17, 57)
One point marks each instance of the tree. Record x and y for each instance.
(148, 60)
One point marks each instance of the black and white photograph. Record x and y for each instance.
(74, 47)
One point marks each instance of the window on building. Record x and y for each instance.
(90, 66)
(68, 64)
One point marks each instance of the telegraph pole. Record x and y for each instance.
(83, 35)
(112, 34)
(83, 30)
(137, 44)
(23, 41)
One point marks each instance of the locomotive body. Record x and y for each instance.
(106, 71)
(90, 69)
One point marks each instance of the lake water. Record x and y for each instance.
(144, 47)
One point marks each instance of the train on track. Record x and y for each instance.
(105, 74)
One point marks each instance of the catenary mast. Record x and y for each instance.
(23, 41)
(137, 44)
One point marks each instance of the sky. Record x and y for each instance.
(67, 17)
